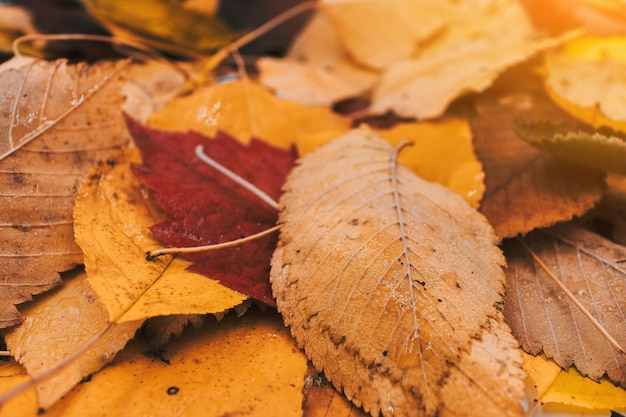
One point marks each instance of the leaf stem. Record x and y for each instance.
(193, 249)
(574, 300)
(5, 353)
(213, 61)
(239, 180)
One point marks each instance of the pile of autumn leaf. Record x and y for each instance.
(98, 167)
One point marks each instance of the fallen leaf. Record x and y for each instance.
(604, 150)
(164, 25)
(468, 57)
(542, 316)
(25, 404)
(57, 120)
(450, 154)
(597, 17)
(379, 33)
(317, 69)
(526, 188)
(245, 110)
(390, 319)
(586, 78)
(111, 217)
(206, 207)
(238, 366)
(571, 388)
(65, 323)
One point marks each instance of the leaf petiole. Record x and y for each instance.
(150, 255)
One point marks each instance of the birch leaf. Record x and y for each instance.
(112, 218)
(374, 275)
(56, 120)
(604, 150)
(586, 78)
(60, 325)
(542, 317)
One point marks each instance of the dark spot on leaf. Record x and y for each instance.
(85, 379)
(18, 178)
(111, 162)
(41, 411)
(20, 227)
(354, 222)
(172, 390)
(385, 353)
(439, 300)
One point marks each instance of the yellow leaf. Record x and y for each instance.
(238, 366)
(67, 322)
(164, 24)
(571, 388)
(244, 109)
(541, 375)
(12, 375)
(443, 153)
(112, 217)
(586, 78)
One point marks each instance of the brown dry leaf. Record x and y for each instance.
(56, 327)
(112, 217)
(375, 275)
(526, 188)
(542, 317)
(56, 121)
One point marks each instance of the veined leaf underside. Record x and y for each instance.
(33, 110)
(73, 112)
(376, 264)
(542, 316)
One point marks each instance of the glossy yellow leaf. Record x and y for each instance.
(541, 375)
(571, 388)
(67, 322)
(244, 109)
(111, 218)
(238, 366)
(25, 404)
(587, 78)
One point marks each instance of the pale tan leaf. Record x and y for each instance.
(474, 381)
(544, 319)
(467, 57)
(56, 120)
(69, 321)
(385, 279)
(379, 32)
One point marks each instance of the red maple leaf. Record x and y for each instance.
(206, 207)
